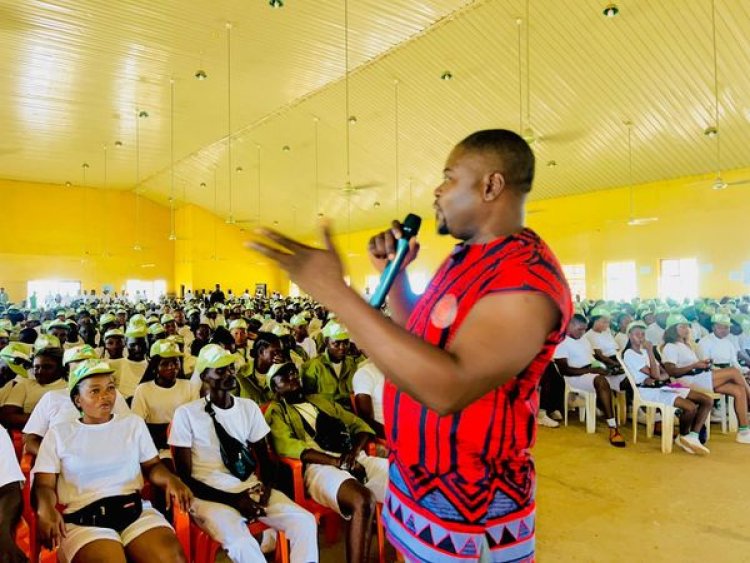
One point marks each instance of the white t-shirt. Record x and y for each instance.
(621, 339)
(128, 375)
(578, 352)
(95, 461)
(10, 471)
(698, 331)
(679, 354)
(56, 407)
(369, 380)
(636, 362)
(603, 341)
(719, 350)
(193, 428)
(655, 334)
(28, 392)
(156, 405)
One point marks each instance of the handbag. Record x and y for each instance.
(116, 512)
(235, 455)
(330, 433)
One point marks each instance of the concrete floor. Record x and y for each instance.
(597, 503)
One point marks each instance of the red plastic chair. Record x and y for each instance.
(202, 548)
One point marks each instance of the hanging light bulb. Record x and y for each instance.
(352, 119)
(276, 3)
(200, 74)
(711, 132)
(143, 114)
(447, 75)
(118, 143)
(611, 10)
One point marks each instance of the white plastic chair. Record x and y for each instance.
(667, 414)
(587, 412)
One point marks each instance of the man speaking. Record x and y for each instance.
(463, 362)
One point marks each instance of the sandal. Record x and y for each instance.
(615, 438)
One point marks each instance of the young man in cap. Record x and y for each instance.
(129, 371)
(330, 374)
(15, 360)
(347, 480)
(225, 502)
(299, 324)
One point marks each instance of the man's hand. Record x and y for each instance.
(176, 492)
(317, 271)
(248, 507)
(382, 247)
(701, 364)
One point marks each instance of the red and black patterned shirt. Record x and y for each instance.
(474, 467)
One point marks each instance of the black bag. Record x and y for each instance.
(330, 433)
(237, 457)
(116, 513)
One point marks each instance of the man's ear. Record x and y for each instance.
(493, 186)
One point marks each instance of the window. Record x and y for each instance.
(47, 291)
(294, 290)
(678, 278)
(576, 276)
(150, 290)
(620, 281)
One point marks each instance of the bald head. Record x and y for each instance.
(508, 152)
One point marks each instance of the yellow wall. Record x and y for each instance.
(79, 234)
(591, 229)
(208, 251)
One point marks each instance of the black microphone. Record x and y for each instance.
(410, 228)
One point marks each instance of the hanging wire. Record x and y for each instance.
(528, 66)
(519, 23)
(137, 245)
(716, 88)
(630, 169)
(397, 137)
(316, 120)
(229, 115)
(172, 234)
(346, 89)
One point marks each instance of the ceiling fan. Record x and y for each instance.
(713, 131)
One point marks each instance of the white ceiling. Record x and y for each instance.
(76, 71)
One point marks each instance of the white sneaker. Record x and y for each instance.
(743, 436)
(547, 421)
(679, 442)
(694, 444)
(556, 415)
(642, 417)
(716, 415)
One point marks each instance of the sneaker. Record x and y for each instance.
(642, 417)
(694, 444)
(743, 436)
(716, 415)
(679, 442)
(556, 415)
(547, 421)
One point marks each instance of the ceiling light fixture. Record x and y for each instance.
(286, 148)
(611, 10)
(143, 114)
(710, 132)
(239, 169)
(118, 143)
(447, 75)
(68, 184)
(551, 163)
(352, 119)
(276, 3)
(203, 184)
(200, 74)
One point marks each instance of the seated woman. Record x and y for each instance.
(604, 345)
(49, 375)
(95, 466)
(718, 347)
(622, 321)
(650, 377)
(11, 501)
(162, 389)
(681, 361)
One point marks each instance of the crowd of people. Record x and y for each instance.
(133, 410)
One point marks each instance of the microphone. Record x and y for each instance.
(410, 228)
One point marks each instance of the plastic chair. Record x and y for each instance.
(200, 547)
(667, 414)
(587, 412)
(728, 416)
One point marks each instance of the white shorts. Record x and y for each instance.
(324, 481)
(662, 395)
(583, 382)
(704, 380)
(78, 536)
(615, 381)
